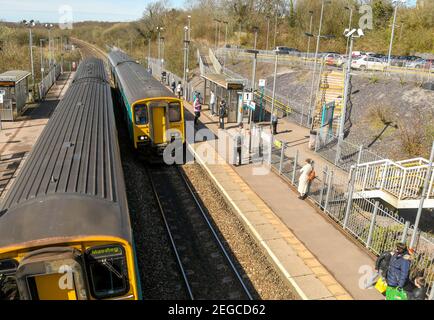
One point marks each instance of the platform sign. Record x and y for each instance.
(247, 97)
(251, 105)
(261, 83)
(2, 93)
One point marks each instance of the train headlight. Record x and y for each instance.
(143, 138)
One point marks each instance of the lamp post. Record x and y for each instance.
(159, 29)
(312, 104)
(310, 32)
(162, 54)
(49, 26)
(396, 2)
(30, 24)
(275, 78)
(226, 41)
(217, 32)
(255, 53)
(268, 30)
(189, 27)
(275, 30)
(42, 58)
(186, 44)
(349, 27)
(255, 30)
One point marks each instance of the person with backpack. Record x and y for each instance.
(173, 86)
(307, 175)
(222, 113)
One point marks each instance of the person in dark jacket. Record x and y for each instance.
(239, 143)
(417, 289)
(382, 263)
(399, 267)
(222, 113)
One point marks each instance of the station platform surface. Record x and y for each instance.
(18, 137)
(316, 258)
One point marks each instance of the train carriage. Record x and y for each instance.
(154, 115)
(65, 231)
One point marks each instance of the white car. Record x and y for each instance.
(369, 63)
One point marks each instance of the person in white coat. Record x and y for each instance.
(303, 183)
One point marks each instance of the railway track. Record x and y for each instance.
(205, 264)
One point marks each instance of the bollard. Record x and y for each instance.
(350, 198)
(294, 169)
(405, 232)
(282, 156)
(329, 187)
(325, 177)
(372, 225)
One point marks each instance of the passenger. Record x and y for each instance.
(197, 108)
(399, 267)
(239, 143)
(212, 103)
(417, 289)
(303, 183)
(222, 113)
(179, 90)
(173, 86)
(274, 120)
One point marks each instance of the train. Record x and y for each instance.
(65, 230)
(153, 114)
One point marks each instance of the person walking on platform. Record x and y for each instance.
(173, 86)
(197, 109)
(179, 90)
(239, 143)
(303, 182)
(222, 113)
(274, 120)
(212, 103)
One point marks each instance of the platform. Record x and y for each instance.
(316, 259)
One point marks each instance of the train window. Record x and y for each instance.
(107, 269)
(8, 282)
(174, 112)
(141, 114)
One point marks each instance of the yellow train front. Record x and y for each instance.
(154, 115)
(65, 231)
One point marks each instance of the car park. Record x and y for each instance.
(334, 59)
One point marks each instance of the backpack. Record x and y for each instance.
(312, 175)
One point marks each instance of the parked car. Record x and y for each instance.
(286, 49)
(334, 59)
(369, 63)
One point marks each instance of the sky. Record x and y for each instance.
(100, 10)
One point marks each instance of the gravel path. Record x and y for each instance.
(254, 264)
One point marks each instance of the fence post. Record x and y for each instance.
(282, 156)
(372, 225)
(350, 198)
(359, 157)
(405, 231)
(329, 187)
(325, 177)
(294, 169)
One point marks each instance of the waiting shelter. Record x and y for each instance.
(14, 91)
(231, 90)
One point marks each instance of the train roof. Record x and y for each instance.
(72, 182)
(137, 83)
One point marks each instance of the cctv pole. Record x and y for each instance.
(422, 199)
(312, 104)
(274, 84)
(308, 38)
(268, 30)
(346, 98)
(393, 34)
(31, 55)
(349, 27)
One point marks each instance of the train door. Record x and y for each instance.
(159, 122)
(52, 274)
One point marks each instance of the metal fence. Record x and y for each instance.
(368, 221)
(157, 70)
(49, 80)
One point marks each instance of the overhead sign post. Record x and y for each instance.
(261, 83)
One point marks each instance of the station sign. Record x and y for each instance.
(251, 105)
(2, 93)
(248, 96)
(262, 83)
(234, 86)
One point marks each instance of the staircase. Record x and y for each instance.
(331, 89)
(398, 183)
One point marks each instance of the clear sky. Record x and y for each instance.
(101, 10)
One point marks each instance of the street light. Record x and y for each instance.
(30, 24)
(255, 30)
(275, 78)
(349, 27)
(159, 29)
(312, 104)
(275, 30)
(186, 44)
(255, 52)
(49, 26)
(189, 27)
(42, 57)
(396, 3)
(226, 41)
(351, 34)
(268, 30)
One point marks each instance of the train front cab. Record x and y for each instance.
(85, 269)
(158, 122)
